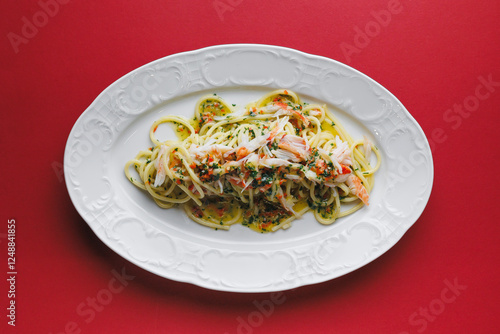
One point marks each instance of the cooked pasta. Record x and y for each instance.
(263, 165)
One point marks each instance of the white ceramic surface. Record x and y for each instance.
(115, 127)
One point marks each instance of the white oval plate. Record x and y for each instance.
(115, 127)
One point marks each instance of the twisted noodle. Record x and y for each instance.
(263, 165)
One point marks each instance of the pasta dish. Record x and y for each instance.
(263, 165)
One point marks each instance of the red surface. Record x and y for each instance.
(430, 56)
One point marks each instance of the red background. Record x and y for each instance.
(428, 55)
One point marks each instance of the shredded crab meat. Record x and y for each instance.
(367, 147)
(296, 145)
(276, 157)
(342, 151)
(285, 202)
(160, 167)
(285, 155)
(357, 188)
(246, 147)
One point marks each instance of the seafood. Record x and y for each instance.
(263, 165)
(357, 188)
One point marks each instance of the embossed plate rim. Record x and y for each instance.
(313, 259)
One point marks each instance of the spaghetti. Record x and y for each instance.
(262, 166)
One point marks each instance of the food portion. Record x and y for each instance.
(263, 165)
